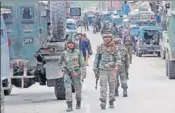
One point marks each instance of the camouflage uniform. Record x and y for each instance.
(105, 28)
(106, 59)
(73, 62)
(2, 100)
(123, 69)
(85, 21)
(127, 41)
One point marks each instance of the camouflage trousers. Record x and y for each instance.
(77, 83)
(107, 78)
(122, 78)
(2, 101)
(129, 49)
(86, 27)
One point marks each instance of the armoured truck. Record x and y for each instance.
(37, 35)
(170, 47)
(5, 63)
(148, 40)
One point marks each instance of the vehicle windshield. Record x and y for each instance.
(145, 16)
(151, 34)
(71, 26)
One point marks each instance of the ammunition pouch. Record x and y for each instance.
(128, 43)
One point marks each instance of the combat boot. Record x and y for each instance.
(69, 109)
(78, 105)
(103, 105)
(111, 104)
(125, 93)
(116, 92)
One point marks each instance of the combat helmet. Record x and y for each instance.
(107, 34)
(70, 40)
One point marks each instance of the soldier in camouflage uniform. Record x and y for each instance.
(123, 69)
(74, 68)
(106, 27)
(105, 67)
(127, 41)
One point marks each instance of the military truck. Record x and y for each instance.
(5, 63)
(170, 48)
(37, 34)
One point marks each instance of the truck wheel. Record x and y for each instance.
(166, 67)
(158, 54)
(171, 71)
(27, 82)
(7, 92)
(59, 89)
(139, 54)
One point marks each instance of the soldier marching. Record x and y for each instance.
(123, 69)
(74, 68)
(105, 67)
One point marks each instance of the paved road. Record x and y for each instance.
(150, 91)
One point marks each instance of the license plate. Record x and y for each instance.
(28, 40)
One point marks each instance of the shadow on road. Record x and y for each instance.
(31, 98)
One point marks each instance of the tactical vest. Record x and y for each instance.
(107, 60)
(127, 39)
(72, 59)
(124, 59)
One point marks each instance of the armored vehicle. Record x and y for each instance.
(148, 40)
(37, 32)
(5, 63)
(170, 48)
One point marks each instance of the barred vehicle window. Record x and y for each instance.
(6, 12)
(27, 12)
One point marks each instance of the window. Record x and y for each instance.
(145, 16)
(7, 13)
(118, 21)
(27, 13)
(71, 26)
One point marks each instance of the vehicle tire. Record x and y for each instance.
(166, 67)
(59, 89)
(8, 91)
(171, 69)
(27, 82)
(139, 54)
(158, 54)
